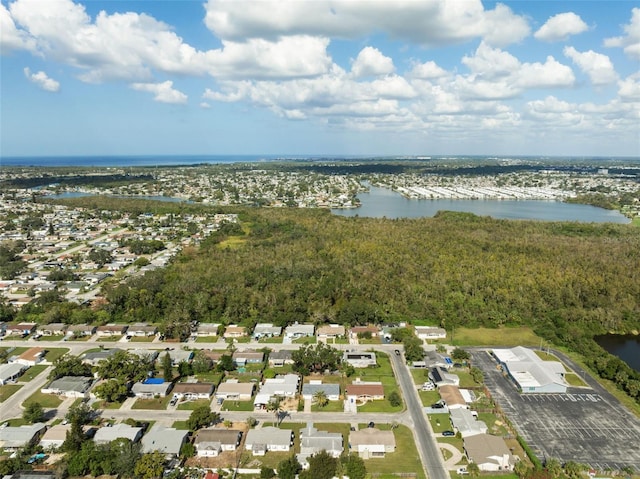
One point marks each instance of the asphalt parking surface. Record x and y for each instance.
(586, 425)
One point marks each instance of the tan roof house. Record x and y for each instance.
(111, 329)
(235, 331)
(372, 442)
(452, 397)
(211, 442)
(365, 391)
(232, 389)
(193, 390)
(30, 357)
(330, 331)
(490, 453)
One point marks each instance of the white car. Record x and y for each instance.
(462, 471)
(428, 386)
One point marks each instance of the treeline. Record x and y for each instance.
(568, 281)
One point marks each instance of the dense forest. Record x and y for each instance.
(568, 281)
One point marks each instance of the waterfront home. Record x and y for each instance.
(211, 442)
(371, 442)
(269, 438)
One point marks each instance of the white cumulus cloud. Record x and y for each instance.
(371, 62)
(42, 80)
(561, 26)
(426, 71)
(631, 41)
(164, 92)
(11, 37)
(596, 65)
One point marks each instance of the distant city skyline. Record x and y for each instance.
(319, 77)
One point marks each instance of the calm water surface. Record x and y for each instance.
(382, 202)
(626, 347)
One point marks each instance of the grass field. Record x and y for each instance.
(574, 380)
(332, 406)
(405, 459)
(45, 400)
(385, 375)
(237, 406)
(32, 372)
(55, 353)
(191, 405)
(109, 339)
(520, 336)
(106, 405)
(142, 339)
(8, 390)
(155, 403)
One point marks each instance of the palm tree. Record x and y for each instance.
(473, 469)
(320, 398)
(275, 406)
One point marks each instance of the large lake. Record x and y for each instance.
(382, 202)
(626, 347)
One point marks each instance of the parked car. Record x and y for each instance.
(448, 433)
(397, 351)
(371, 424)
(462, 471)
(437, 406)
(428, 386)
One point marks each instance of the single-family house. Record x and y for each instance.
(151, 387)
(281, 386)
(297, 331)
(30, 357)
(360, 331)
(280, 358)
(9, 373)
(20, 329)
(441, 377)
(452, 397)
(193, 390)
(52, 329)
(490, 453)
(372, 442)
(178, 356)
(13, 438)
(69, 386)
(211, 442)
(433, 359)
(310, 389)
(330, 331)
(55, 436)
(82, 329)
(313, 441)
(96, 357)
(427, 333)
(142, 329)
(207, 329)
(357, 359)
(166, 440)
(466, 423)
(247, 356)
(105, 435)
(269, 438)
(360, 391)
(235, 331)
(111, 330)
(266, 330)
(234, 390)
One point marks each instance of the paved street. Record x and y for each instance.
(413, 416)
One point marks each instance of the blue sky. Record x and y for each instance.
(319, 77)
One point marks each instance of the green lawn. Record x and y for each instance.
(109, 339)
(32, 372)
(207, 339)
(429, 397)
(8, 390)
(142, 339)
(15, 351)
(520, 336)
(17, 422)
(55, 353)
(274, 340)
(384, 374)
(210, 377)
(420, 375)
(106, 405)
(496, 427)
(574, 380)
(191, 405)
(405, 459)
(439, 422)
(155, 403)
(53, 337)
(307, 340)
(180, 425)
(45, 400)
(237, 405)
(332, 406)
(466, 381)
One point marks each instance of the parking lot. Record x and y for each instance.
(586, 425)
